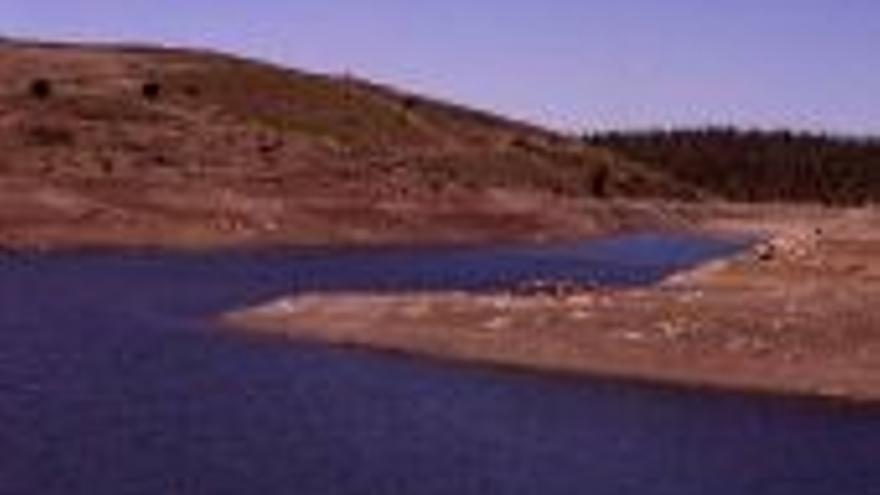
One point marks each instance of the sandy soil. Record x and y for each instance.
(41, 213)
(797, 314)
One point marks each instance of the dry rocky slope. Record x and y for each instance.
(184, 148)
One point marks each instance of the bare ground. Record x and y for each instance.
(39, 213)
(238, 152)
(799, 314)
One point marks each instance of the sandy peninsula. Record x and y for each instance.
(797, 314)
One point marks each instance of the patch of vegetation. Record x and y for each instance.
(151, 90)
(40, 89)
(759, 166)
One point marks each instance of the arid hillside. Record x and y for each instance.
(109, 145)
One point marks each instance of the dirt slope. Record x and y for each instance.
(142, 145)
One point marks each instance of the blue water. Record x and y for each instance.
(114, 381)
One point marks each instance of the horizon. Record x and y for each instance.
(580, 67)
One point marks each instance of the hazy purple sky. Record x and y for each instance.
(575, 64)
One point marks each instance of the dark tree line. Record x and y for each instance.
(759, 165)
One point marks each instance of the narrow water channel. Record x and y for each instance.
(113, 380)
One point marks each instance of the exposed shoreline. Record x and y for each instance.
(505, 217)
(744, 323)
(795, 316)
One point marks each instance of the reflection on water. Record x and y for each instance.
(112, 381)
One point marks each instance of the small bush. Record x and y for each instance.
(151, 90)
(192, 91)
(599, 183)
(107, 166)
(409, 102)
(40, 89)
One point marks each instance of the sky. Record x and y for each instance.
(576, 65)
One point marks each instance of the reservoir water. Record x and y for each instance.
(114, 380)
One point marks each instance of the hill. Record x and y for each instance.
(145, 145)
(755, 166)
